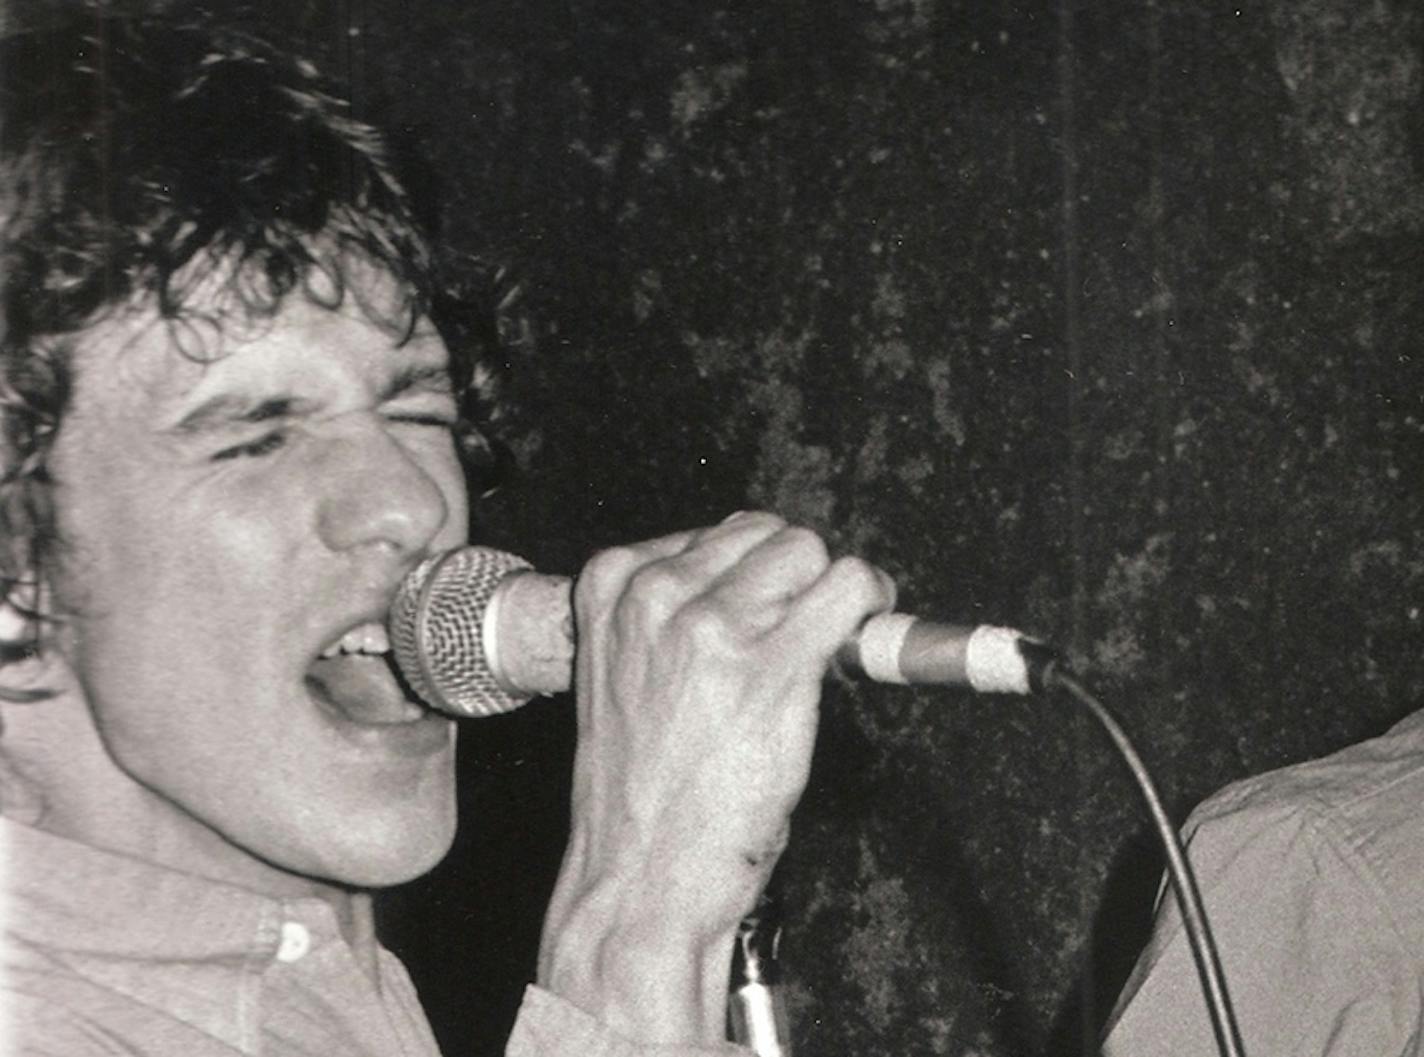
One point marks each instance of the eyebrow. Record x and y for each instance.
(242, 409)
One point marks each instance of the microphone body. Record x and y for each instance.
(477, 632)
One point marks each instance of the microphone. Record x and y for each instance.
(477, 632)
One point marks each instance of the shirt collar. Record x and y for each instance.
(65, 893)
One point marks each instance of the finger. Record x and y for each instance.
(829, 611)
(714, 551)
(678, 564)
(774, 571)
(733, 523)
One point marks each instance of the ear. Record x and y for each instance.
(29, 667)
(25, 597)
(17, 616)
(26, 680)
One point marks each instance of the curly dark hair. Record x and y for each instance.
(144, 156)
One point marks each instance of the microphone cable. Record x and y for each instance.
(761, 1025)
(1179, 871)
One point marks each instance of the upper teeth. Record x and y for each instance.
(368, 638)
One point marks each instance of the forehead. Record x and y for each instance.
(141, 363)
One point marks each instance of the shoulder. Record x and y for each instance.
(1355, 817)
(1312, 877)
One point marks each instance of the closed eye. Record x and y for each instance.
(417, 418)
(263, 445)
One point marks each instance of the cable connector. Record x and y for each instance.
(755, 1008)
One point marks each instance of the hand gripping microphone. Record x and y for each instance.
(477, 632)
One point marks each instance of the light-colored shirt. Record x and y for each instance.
(1313, 880)
(104, 954)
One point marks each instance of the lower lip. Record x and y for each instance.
(418, 737)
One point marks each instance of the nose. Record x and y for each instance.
(377, 494)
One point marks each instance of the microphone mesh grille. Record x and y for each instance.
(436, 630)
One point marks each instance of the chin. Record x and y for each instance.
(373, 880)
(384, 859)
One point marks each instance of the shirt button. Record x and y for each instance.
(296, 941)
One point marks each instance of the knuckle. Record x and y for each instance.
(651, 594)
(859, 576)
(759, 520)
(605, 573)
(705, 626)
(656, 582)
(621, 588)
(765, 517)
(806, 545)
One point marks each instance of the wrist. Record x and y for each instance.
(642, 922)
(649, 975)
(693, 882)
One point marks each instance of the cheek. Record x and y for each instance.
(457, 499)
(148, 559)
(171, 655)
(114, 524)
(435, 453)
(160, 593)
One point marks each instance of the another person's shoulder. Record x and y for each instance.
(1313, 882)
(1370, 783)
(1356, 810)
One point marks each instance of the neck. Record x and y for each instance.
(55, 775)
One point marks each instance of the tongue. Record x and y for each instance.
(361, 687)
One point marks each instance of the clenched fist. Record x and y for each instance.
(699, 669)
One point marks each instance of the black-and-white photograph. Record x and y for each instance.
(642, 528)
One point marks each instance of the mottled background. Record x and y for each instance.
(1094, 318)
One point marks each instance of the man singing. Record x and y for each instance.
(234, 419)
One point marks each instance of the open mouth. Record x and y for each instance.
(356, 678)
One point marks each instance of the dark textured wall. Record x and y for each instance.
(1095, 318)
